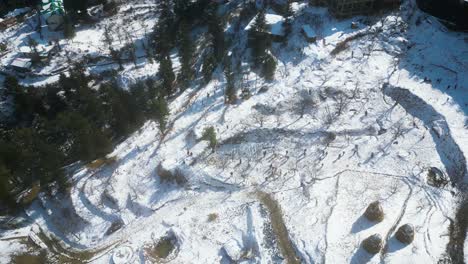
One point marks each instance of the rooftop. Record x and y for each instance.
(21, 63)
(274, 21)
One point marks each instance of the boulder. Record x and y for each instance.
(374, 212)
(372, 244)
(405, 234)
(436, 178)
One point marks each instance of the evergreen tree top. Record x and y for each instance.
(50, 7)
(260, 24)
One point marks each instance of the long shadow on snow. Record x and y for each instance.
(361, 224)
(428, 60)
(450, 154)
(360, 257)
(448, 150)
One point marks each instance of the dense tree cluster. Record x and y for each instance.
(260, 43)
(69, 121)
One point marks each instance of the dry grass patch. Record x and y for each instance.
(162, 250)
(212, 217)
(101, 162)
(279, 228)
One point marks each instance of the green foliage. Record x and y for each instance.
(159, 112)
(269, 67)
(6, 194)
(3, 46)
(288, 10)
(216, 30)
(164, 33)
(74, 5)
(167, 74)
(186, 54)
(230, 92)
(209, 134)
(209, 65)
(260, 42)
(68, 28)
(84, 140)
(11, 84)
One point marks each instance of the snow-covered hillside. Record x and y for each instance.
(308, 151)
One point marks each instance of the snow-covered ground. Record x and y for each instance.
(329, 136)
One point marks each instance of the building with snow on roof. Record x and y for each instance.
(275, 25)
(21, 65)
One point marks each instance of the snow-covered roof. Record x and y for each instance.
(42, 49)
(17, 12)
(274, 21)
(21, 63)
(310, 33)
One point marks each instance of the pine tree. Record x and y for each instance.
(163, 31)
(289, 16)
(6, 195)
(209, 134)
(289, 12)
(209, 65)
(32, 43)
(85, 141)
(258, 39)
(159, 112)
(181, 8)
(166, 74)
(230, 93)
(269, 67)
(12, 85)
(216, 29)
(68, 28)
(186, 53)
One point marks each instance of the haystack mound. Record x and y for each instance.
(373, 244)
(405, 234)
(374, 212)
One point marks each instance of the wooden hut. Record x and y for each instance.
(275, 25)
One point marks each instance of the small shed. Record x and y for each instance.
(21, 65)
(309, 34)
(275, 24)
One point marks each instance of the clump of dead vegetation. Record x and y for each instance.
(177, 176)
(279, 228)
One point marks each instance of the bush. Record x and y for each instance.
(177, 177)
(209, 134)
(212, 217)
(3, 46)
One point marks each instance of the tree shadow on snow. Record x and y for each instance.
(361, 224)
(393, 245)
(361, 257)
